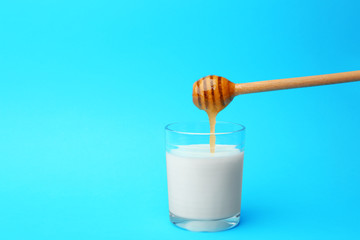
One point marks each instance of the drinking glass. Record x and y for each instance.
(204, 189)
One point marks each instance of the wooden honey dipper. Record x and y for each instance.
(213, 93)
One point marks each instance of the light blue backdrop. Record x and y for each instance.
(86, 88)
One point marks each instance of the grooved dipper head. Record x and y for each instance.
(213, 93)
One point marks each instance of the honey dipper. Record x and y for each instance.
(213, 93)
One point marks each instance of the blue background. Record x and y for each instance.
(86, 88)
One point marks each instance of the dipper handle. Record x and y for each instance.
(286, 83)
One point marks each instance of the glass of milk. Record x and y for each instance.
(204, 189)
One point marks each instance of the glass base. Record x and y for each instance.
(205, 225)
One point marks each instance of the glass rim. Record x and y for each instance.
(241, 129)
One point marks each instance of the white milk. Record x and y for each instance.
(204, 185)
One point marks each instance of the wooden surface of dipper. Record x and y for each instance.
(213, 93)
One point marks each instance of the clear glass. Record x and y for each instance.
(204, 189)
